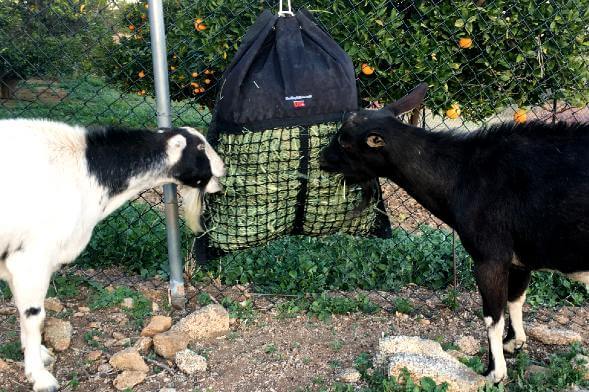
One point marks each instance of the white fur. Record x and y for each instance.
(495, 333)
(516, 319)
(49, 205)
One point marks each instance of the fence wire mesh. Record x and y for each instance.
(89, 62)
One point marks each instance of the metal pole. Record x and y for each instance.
(162, 95)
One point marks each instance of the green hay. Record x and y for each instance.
(259, 199)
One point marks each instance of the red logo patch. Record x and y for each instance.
(298, 104)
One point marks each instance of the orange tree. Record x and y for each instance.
(48, 38)
(482, 56)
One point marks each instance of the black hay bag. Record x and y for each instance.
(282, 98)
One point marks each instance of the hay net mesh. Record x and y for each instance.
(274, 187)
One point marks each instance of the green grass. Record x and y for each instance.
(102, 298)
(11, 350)
(89, 101)
(324, 306)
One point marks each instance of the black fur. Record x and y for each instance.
(4, 254)
(115, 155)
(507, 190)
(32, 312)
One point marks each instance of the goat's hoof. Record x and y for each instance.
(496, 377)
(46, 356)
(45, 382)
(513, 346)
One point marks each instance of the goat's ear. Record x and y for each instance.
(410, 101)
(176, 145)
(375, 140)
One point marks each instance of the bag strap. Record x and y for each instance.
(283, 13)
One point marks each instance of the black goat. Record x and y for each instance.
(518, 196)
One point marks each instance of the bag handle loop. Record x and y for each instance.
(283, 13)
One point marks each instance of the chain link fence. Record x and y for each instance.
(89, 62)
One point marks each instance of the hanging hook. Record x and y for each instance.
(283, 13)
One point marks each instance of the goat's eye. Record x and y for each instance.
(200, 147)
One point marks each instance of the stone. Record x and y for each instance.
(104, 368)
(128, 359)
(426, 358)
(125, 342)
(190, 362)
(57, 333)
(535, 370)
(143, 344)
(127, 303)
(157, 324)
(348, 375)
(553, 336)
(7, 310)
(94, 355)
(167, 344)
(167, 390)
(155, 307)
(4, 366)
(468, 345)
(83, 309)
(94, 325)
(128, 379)
(53, 304)
(208, 322)
(118, 335)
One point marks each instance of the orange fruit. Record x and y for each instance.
(141, 74)
(367, 69)
(199, 20)
(207, 81)
(201, 27)
(172, 68)
(194, 84)
(465, 43)
(453, 112)
(207, 72)
(141, 93)
(201, 90)
(82, 7)
(146, 5)
(194, 74)
(520, 116)
(131, 27)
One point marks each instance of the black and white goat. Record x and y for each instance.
(81, 176)
(518, 196)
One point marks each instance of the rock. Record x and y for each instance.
(190, 362)
(554, 336)
(3, 365)
(424, 322)
(104, 368)
(93, 355)
(94, 325)
(128, 379)
(83, 309)
(110, 342)
(167, 390)
(53, 304)
(57, 333)
(155, 307)
(348, 375)
(143, 344)
(468, 345)
(127, 303)
(208, 322)
(535, 370)
(118, 335)
(125, 342)
(167, 344)
(425, 358)
(157, 324)
(128, 359)
(7, 310)
(79, 314)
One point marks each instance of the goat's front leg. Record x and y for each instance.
(491, 277)
(29, 283)
(516, 296)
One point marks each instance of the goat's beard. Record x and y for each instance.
(367, 196)
(193, 204)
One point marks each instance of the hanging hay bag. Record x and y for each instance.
(281, 100)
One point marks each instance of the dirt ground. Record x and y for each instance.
(268, 352)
